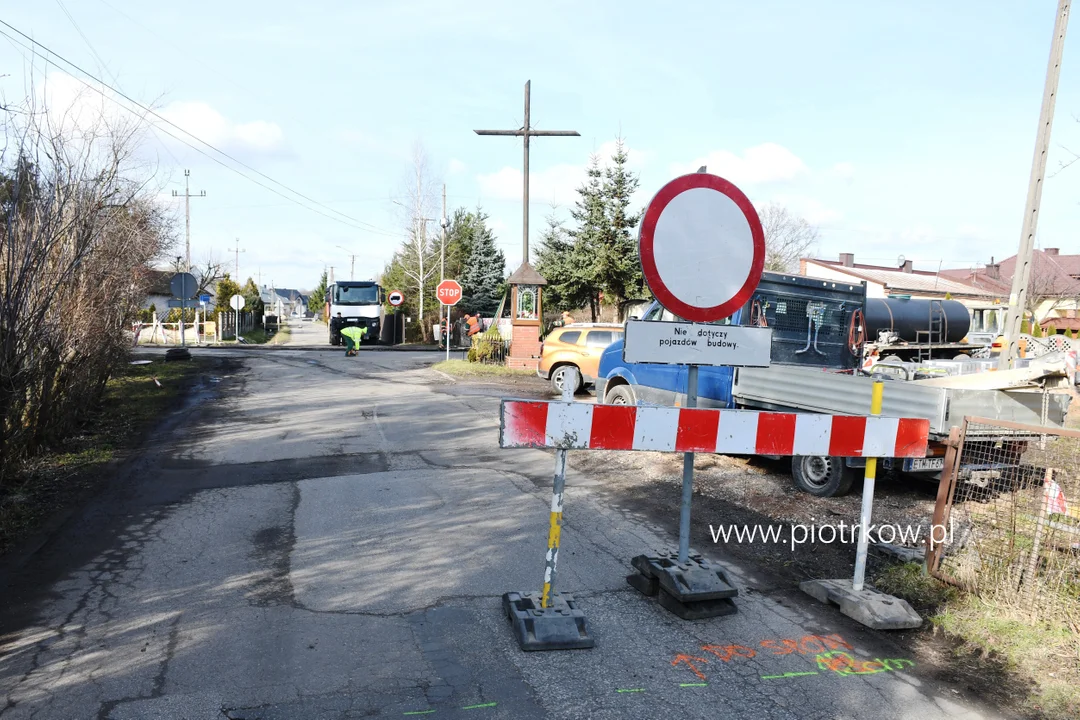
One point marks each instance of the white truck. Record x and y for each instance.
(354, 303)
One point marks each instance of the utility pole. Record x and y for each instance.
(1022, 273)
(187, 213)
(352, 262)
(238, 251)
(444, 223)
(527, 132)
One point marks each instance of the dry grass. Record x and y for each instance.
(463, 368)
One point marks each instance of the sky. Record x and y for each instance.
(897, 128)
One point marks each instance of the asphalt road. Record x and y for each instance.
(318, 536)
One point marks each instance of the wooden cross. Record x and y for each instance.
(526, 132)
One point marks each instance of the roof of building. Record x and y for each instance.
(1051, 274)
(526, 275)
(895, 279)
(1061, 323)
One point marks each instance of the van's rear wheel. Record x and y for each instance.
(822, 475)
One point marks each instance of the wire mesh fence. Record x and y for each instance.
(1009, 506)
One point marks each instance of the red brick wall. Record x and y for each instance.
(524, 347)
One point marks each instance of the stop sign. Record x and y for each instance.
(448, 292)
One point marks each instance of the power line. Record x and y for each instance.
(359, 224)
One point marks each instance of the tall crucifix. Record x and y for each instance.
(527, 132)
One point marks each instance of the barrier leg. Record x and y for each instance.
(684, 582)
(550, 620)
(866, 605)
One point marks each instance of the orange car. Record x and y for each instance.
(575, 346)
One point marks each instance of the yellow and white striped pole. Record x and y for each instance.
(867, 498)
(570, 381)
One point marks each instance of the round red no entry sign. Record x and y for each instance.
(702, 247)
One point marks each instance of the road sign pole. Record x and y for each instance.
(867, 499)
(448, 333)
(688, 472)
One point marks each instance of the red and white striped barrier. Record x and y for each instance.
(581, 426)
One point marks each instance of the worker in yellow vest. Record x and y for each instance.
(352, 337)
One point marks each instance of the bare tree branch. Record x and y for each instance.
(787, 238)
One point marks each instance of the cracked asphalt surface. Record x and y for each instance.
(329, 537)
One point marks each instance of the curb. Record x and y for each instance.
(448, 377)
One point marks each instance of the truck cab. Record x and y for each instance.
(360, 304)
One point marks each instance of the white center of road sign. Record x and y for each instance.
(675, 343)
(396, 298)
(237, 302)
(704, 247)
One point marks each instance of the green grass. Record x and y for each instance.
(464, 368)
(1044, 655)
(258, 336)
(133, 403)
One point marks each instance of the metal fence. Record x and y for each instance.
(1008, 514)
(489, 347)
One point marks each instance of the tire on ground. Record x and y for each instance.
(557, 375)
(620, 395)
(823, 476)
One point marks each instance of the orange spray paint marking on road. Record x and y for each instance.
(690, 660)
(726, 652)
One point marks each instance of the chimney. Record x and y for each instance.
(907, 266)
(993, 271)
(1051, 251)
(847, 259)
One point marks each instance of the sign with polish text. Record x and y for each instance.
(680, 343)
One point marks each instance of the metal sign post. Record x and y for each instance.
(237, 304)
(702, 252)
(183, 286)
(449, 294)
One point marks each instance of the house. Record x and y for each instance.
(986, 304)
(158, 290)
(1053, 290)
(283, 302)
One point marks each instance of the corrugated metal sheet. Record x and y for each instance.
(815, 390)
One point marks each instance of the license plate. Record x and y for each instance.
(923, 464)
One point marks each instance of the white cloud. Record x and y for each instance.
(557, 184)
(763, 163)
(844, 171)
(811, 210)
(456, 167)
(207, 124)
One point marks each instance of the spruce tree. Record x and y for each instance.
(484, 272)
(618, 268)
(590, 214)
(568, 270)
(317, 299)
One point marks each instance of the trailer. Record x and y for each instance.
(816, 357)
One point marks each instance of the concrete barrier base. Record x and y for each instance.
(872, 608)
